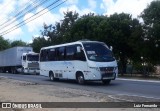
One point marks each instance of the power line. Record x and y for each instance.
(15, 14)
(30, 17)
(23, 22)
(4, 7)
(32, 9)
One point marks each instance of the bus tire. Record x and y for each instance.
(80, 78)
(106, 82)
(51, 76)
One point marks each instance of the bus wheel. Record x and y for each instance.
(106, 82)
(80, 78)
(51, 76)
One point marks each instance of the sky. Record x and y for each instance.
(27, 13)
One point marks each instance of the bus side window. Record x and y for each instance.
(80, 55)
(51, 54)
(70, 52)
(61, 53)
(44, 55)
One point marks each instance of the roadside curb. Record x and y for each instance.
(155, 81)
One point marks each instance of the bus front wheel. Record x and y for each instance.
(80, 78)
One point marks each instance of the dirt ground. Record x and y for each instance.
(21, 91)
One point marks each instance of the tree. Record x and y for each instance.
(18, 43)
(60, 33)
(119, 30)
(39, 42)
(4, 44)
(151, 27)
(66, 25)
(89, 27)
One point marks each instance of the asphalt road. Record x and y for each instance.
(146, 89)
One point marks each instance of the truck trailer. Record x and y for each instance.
(19, 60)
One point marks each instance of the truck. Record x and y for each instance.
(19, 60)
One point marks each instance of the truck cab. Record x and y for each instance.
(30, 63)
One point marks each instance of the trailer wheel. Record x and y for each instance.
(1, 71)
(13, 70)
(80, 78)
(106, 82)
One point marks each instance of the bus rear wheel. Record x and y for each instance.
(106, 82)
(51, 76)
(80, 78)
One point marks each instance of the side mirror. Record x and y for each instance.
(78, 49)
(111, 48)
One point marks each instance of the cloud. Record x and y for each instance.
(7, 7)
(71, 2)
(75, 8)
(21, 3)
(9, 34)
(37, 23)
(134, 7)
(92, 4)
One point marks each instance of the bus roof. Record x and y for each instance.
(71, 43)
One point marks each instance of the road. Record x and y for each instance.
(119, 87)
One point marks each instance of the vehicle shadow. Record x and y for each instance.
(87, 83)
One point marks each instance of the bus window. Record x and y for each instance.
(70, 52)
(52, 54)
(61, 53)
(44, 55)
(98, 52)
(80, 55)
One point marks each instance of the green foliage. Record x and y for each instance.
(61, 32)
(4, 44)
(39, 42)
(118, 30)
(151, 27)
(18, 43)
(89, 27)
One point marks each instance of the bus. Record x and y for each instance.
(81, 61)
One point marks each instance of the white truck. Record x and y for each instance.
(19, 60)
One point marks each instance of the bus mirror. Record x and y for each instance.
(78, 49)
(111, 48)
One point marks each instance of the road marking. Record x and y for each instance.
(155, 81)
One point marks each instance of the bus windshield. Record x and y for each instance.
(32, 57)
(98, 52)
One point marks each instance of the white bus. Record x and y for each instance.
(81, 61)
